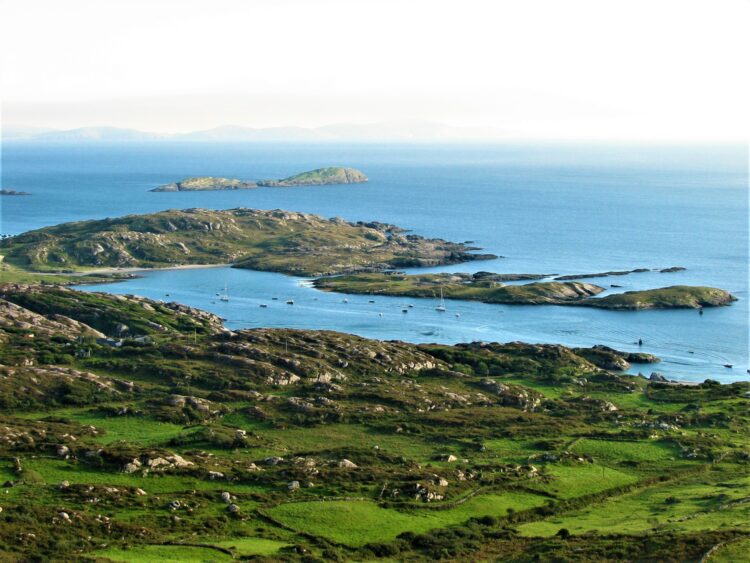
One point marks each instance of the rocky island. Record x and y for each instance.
(673, 297)
(319, 177)
(620, 273)
(206, 183)
(133, 429)
(278, 241)
(482, 287)
(13, 192)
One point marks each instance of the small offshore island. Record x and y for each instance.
(318, 177)
(206, 183)
(488, 288)
(13, 192)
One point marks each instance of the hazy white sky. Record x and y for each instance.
(651, 69)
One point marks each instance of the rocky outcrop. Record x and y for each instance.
(13, 192)
(674, 297)
(206, 183)
(60, 310)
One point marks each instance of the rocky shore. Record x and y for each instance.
(485, 287)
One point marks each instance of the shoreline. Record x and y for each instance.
(305, 281)
(133, 270)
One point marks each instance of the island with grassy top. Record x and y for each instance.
(278, 241)
(318, 177)
(137, 430)
(486, 288)
(206, 183)
(673, 297)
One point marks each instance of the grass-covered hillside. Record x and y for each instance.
(487, 288)
(135, 430)
(279, 241)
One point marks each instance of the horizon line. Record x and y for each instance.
(42, 132)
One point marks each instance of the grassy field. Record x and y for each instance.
(166, 554)
(575, 480)
(732, 552)
(679, 507)
(619, 451)
(356, 523)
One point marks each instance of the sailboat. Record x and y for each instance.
(441, 307)
(225, 295)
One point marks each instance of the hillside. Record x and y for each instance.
(136, 430)
(279, 241)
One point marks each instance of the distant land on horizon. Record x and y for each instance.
(383, 131)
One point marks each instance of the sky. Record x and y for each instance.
(578, 69)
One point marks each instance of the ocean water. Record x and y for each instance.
(545, 208)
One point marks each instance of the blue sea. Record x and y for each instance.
(545, 208)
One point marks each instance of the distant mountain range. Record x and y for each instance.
(385, 131)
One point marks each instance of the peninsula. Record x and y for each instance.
(318, 177)
(278, 241)
(482, 287)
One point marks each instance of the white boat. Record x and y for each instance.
(441, 307)
(225, 295)
(290, 301)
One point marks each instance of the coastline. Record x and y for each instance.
(100, 276)
(134, 270)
